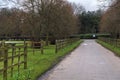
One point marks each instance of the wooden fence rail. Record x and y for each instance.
(63, 43)
(115, 42)
(36, 46)
(12, 56)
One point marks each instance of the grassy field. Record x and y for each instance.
(39, 63)
(114, 49)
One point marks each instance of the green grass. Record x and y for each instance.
(114, 49)
(40, 63)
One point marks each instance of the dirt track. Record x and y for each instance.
(90, 61)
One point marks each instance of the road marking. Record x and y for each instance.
(85, 44)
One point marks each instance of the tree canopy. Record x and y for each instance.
(38, 18)
(110, 22)
(90, 21)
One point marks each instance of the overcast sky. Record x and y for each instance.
(90, 5)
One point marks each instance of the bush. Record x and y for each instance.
(90, 36)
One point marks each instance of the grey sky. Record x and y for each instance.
(90, 5)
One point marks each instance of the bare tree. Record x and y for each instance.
(50, 18)
(78, 8)
(110, 20)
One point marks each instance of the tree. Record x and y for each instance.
(40, 18)
(49, 16)
(90, 21)
(78, 8)
(110, 20)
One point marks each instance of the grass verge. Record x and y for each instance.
(114, 49)
(40, 63)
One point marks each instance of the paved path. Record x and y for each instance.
(89, 61)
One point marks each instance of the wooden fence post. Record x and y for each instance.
(19, 49)
(116, 42)
(25, 55)
(5, 53)
(42, 46)
(33, 47)
(56, 46)
(13, 53)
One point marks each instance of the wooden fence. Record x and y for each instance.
(36, 46)
(115, 42)
(63, 43)
(12, 57)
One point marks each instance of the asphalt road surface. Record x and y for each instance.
(90, 61)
